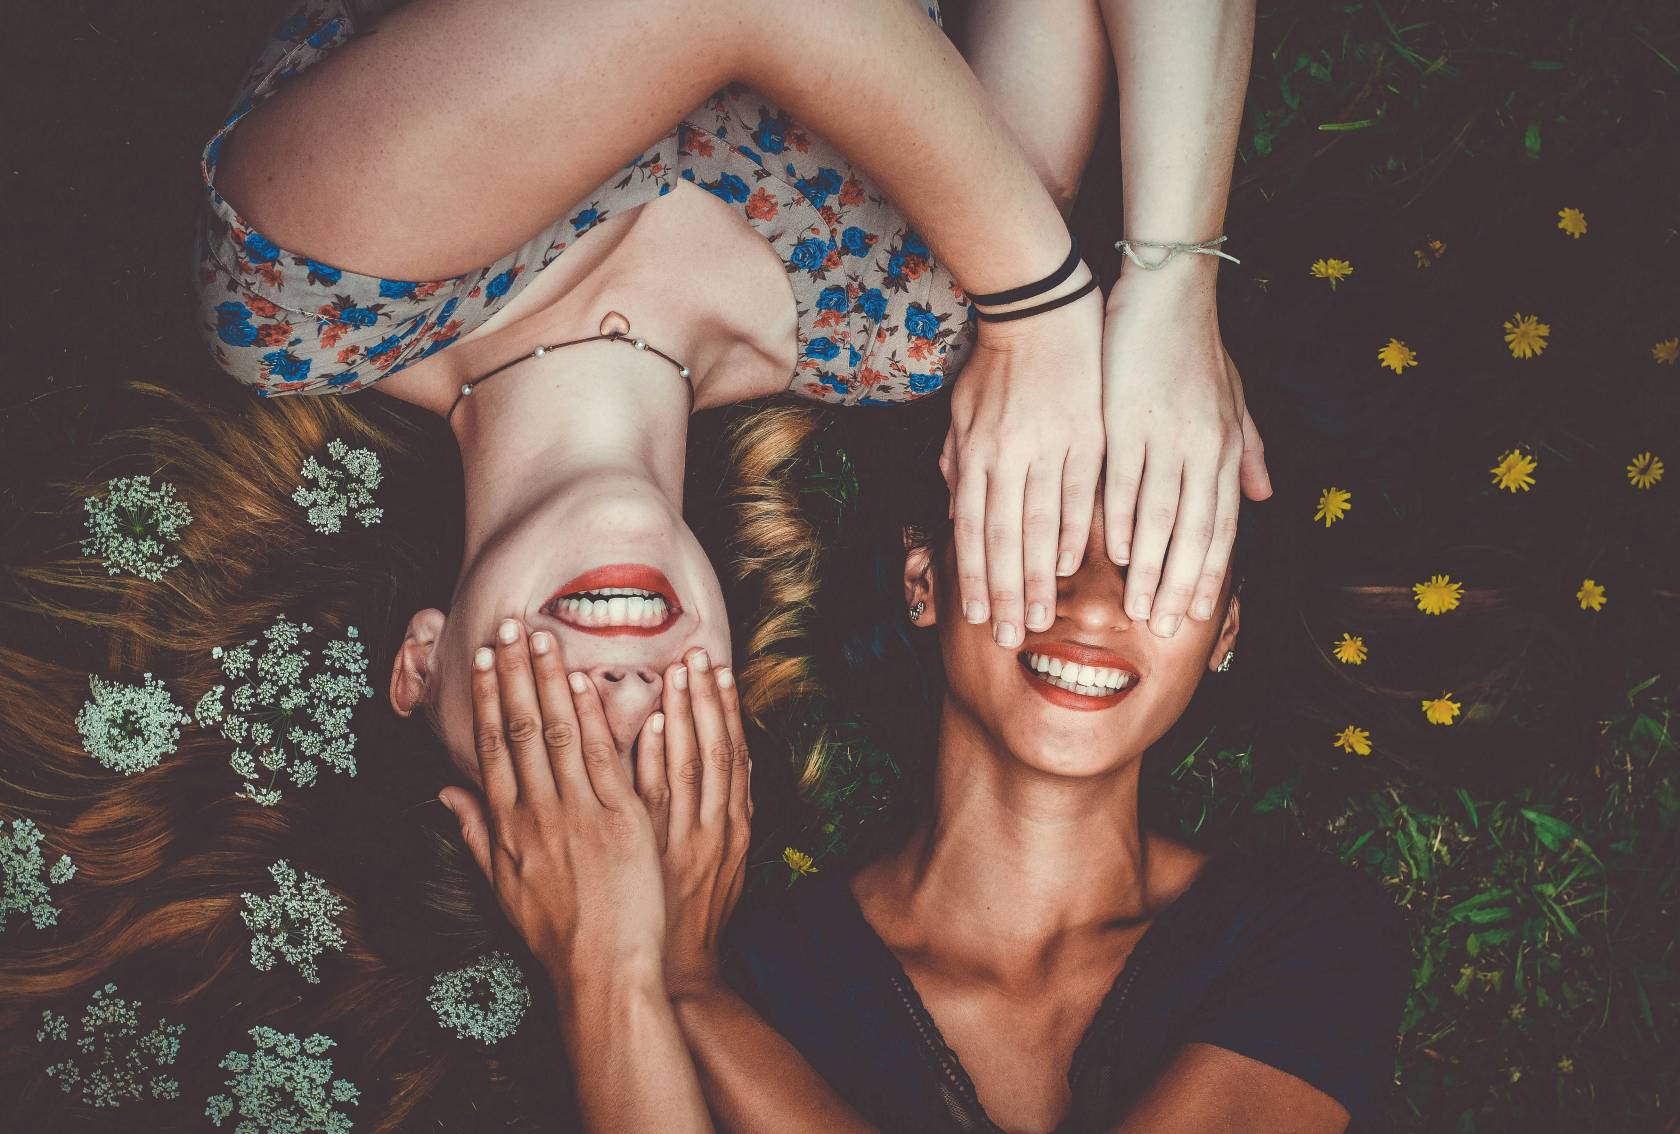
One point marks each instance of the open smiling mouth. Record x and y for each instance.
(620, 599)
(1066, 676)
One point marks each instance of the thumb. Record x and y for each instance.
(475, 832)
(1251, 468)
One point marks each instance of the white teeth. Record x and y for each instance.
(1092, 681)
(615, 606)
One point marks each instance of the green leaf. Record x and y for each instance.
(1338, 127)
(1544, 65)
(1555, 833)
(1531, 140)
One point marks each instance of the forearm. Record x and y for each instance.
(754, 1080)
(1045, 64)
(884, 84)
(632, 1069)
(1182, 70)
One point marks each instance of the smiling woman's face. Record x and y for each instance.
(1090, 693)
(614, 573)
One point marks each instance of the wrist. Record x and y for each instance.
(583, 991)
(1188, 280)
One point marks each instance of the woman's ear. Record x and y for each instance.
(411, 669)
(920, 604)
(1226, 639)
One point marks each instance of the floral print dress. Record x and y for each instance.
(879, 321)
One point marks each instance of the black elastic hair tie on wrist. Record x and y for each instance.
(1050, 305)
(1027, 291)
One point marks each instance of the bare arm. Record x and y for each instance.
(1045, 64)
(1209, 1090)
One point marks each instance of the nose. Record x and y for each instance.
(1094, 597)
(629, 694)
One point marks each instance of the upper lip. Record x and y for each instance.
(635, 575)
(1094, 656)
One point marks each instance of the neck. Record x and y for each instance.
(1059, 854)
(547, 425)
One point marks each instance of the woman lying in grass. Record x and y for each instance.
(511, 196)
(1029, 956)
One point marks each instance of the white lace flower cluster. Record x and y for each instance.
(22, 888)
(131, 526)
(283, 1085)
(340, 489)
(115, 1061)
(294, 922)
(485, 1000)
(282, 719)
(130, 728)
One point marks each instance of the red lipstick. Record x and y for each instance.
(627, 576)
(1078, 654)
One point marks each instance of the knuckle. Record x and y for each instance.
(559, 734)
(690, 772)
(1038, 519)
(1176, 592)
(742, 756)
(1162, 515)
(966, 528)
(722, 755)
(523, 729)
(487, 738)
(598, 754)
(1001, 535)
(656, 799)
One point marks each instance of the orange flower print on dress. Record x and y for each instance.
(761, 205)
(851, 193)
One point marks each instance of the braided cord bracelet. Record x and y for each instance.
(1171, 247)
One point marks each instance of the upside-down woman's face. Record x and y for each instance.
(1087, 695)
(614, 573)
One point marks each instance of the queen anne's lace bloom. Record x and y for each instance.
(114, 1061)
(340, 489)
(285, 1086)
(22, 887)
(130, 728)
(485, 1000)
(131, 526)
(280, 719)
(295, 922)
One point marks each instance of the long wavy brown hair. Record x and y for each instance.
(162, 857)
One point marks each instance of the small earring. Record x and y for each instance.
(1225, 662)
(916, 610)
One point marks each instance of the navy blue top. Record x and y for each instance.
(1286, 956)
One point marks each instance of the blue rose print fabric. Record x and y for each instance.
(879, 320)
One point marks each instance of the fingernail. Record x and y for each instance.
(680, 677)
(725, 678)
(1124, 555)
(1066, 562)
(1169, 625)
(974, 612)
(1204, 608)
(541, 642)
(508, 632)
(657, 722)
(1037, 616)
(446, 804)
(578, 682)
(1140, 606)
(483, 658)
(700, 661)
(1006, 634)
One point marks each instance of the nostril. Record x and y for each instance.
(612, 675)
(648, 676)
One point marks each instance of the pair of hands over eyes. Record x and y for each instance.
(606, 878)
(1144, 378)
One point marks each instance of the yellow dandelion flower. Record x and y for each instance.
(1645, 470)
(1431, 251)
(798, 861)
(1573, 221)
(1333, 270)
(1666, 351)
(1354, 740)
(1397, 356)
(1591, 595)
(1566, 1065)
(1350, 650)
(1442, 710)
(1438, 595)
(1514, 471)
(1333, 504)
(1526, 335)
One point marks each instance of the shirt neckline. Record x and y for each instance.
(943, 1058)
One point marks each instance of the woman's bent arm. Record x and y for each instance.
(457, 130)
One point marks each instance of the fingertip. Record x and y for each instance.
(483, 659)
(656, 724)
(677, 677)
(725, 677)
(541, 643)
(578, 681)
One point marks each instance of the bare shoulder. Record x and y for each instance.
(1174, 866)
